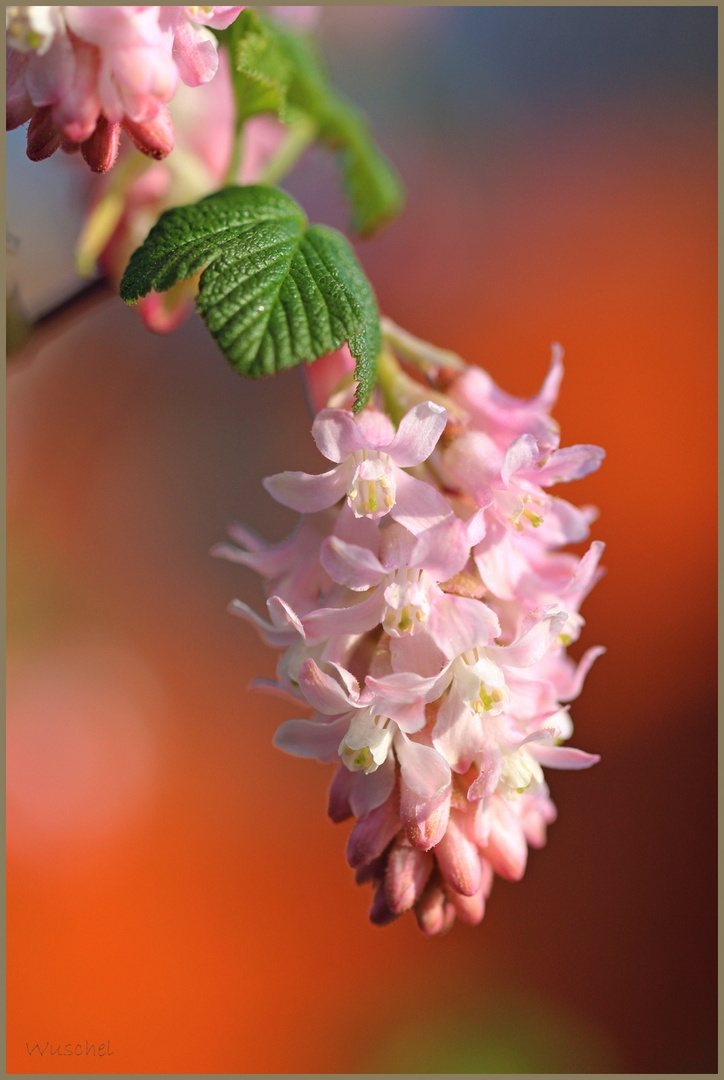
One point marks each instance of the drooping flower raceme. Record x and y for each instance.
(81, 74)
(423, 608)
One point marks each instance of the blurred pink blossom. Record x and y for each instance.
(126, 204)
(81, 74)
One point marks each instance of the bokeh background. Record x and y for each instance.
(174, 888)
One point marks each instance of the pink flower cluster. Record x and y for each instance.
(81, 74)
(423, 608)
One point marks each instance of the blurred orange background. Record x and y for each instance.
(174, 889)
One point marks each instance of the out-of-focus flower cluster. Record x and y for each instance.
(128, 202)
(423, 607)
(81, 74)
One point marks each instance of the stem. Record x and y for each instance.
(427, 358)
(236, 149)
(300, 135)
(401, 393)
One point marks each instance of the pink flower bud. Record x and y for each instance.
(338, 807)
(408, 870)
(380, 913)
(101, 150)
(434, 912)
(458, 859)
(424, 820)
(372, 833)
(154, 137)
(507, 850)
(43, 135)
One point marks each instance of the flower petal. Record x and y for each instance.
(308, 493)
(312, 738)
(354, 619)
(563, 757)
(570, 463)
(418, 506)
(520, 456)
(337, 435)
(423, 769)
(458, 623)
(417, 434)
(322, 691)
(351, 565)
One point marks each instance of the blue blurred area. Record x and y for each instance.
(463, 66)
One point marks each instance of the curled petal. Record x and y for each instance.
(312, 738)
(337, 435)
(277, 637)
(355, 619)
(323, 692)
(350, 565)
(563, 757)
(528, 649)
(570, 463)
(417, 434)
(572, 688)
(308, 493)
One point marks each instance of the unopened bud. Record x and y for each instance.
(458, 859)
(372, 833)
(155, 137)
(101, 150)
(424, 820)
(43, 136)
(408, 870)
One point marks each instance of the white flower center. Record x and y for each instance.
(521, 772)
(367, 743)
(480, 682)
(408, 601)
(372, 493)
(31, 29)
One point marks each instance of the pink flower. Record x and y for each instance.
(81, 74)
(425, 619)
(371, 456)
(126, 203)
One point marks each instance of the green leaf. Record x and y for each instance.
(260, 67)
(274, 291)
(279, 70)
(372, 185)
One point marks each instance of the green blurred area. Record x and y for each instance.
(509, 1035)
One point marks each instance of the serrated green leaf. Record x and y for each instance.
(274, 292)
(279, 70)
